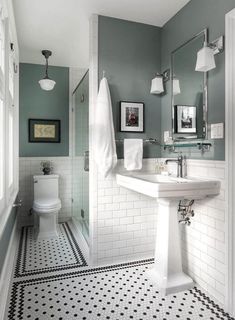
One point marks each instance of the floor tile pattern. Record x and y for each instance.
(114, 292)
(43, 256)
(51, 280)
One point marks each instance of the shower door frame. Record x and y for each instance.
(74, 84)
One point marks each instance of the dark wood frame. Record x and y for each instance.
(32, 122)
(120, 116)
(176, 119)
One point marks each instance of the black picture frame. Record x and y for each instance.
(132, 117)
(185, 119)
(45, 133)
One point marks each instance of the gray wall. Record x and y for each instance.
(130, 54)
(5, 238)
(195, 16)
(39, 104)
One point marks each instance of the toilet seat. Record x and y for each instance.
(46, 205)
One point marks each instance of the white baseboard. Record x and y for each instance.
(5, 276)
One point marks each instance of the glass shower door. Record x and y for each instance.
(81, 157)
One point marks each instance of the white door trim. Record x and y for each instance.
(230, 158)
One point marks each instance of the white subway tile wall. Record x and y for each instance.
(125, 226)
(123, 222)
(31, 166)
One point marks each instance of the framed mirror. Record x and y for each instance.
(188, 91)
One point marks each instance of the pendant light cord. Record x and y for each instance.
(47, 68)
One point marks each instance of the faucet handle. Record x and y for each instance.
(180, 157)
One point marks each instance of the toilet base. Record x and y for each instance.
(47, 226)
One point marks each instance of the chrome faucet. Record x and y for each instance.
(180, 163)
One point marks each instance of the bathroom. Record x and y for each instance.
(92, 239)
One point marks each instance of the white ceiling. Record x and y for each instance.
(63, 25)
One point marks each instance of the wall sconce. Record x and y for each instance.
(157, 84)
(176, 86)
(46, 83)
(206, 56)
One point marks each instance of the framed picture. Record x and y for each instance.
(131, 116)
(185, 119)
(42, 130)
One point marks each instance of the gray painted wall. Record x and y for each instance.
(130, 54)
(39, 104)
(195, 16)
(6, 235)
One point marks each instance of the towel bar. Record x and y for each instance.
(150, 140)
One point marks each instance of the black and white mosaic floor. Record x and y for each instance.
(44, 256)
(116, 292)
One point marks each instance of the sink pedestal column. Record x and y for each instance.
(167, 272)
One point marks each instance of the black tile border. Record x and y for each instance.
(17, 292)
(210, 304)
(20, 267)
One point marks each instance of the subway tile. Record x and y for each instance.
(133, 212)
(126, 220)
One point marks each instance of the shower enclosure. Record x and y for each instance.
(80, 171)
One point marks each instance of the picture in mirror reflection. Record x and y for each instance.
(186, 119)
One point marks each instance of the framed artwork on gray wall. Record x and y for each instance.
(131, 116)
(44, 130)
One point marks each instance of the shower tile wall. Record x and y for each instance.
(31, 166)
(124, 227)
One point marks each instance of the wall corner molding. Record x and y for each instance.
(230, 158)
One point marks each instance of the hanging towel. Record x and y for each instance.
(104, 139)
(133, 154)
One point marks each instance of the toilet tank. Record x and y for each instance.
(46, 186)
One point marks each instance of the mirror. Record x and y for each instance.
(189, 91)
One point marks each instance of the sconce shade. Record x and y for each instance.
(47, 84)
(205, 59)
(157, 85)
(176, 86)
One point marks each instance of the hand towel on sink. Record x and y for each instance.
(133, 154)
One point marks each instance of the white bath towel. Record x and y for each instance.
(133, 154)
(104, 139)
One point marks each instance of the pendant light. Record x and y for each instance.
(46, 83)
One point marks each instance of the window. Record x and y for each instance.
(2, 114)
(8, 116)
(2, 138)
(11, 73)
(2, 43)
(11, 121)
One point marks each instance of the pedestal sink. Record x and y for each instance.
(167, 272)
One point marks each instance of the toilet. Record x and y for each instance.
(46, 204)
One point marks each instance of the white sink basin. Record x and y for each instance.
(167, 272)
(160, 186)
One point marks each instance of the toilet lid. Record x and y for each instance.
(47, 203)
